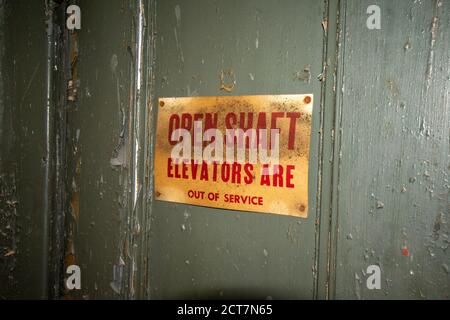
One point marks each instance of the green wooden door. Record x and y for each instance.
(392, 193)
(198, 252)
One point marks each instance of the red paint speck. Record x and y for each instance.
(405, 252)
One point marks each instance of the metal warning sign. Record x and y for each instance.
(245, 153)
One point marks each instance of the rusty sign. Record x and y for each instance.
(247, 153)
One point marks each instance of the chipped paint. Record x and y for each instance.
(304, 75)
(433, 35)
(227, 80)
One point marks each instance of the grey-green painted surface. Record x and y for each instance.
(101, 167)
(23, 62)
(393, 190)
(209, 253)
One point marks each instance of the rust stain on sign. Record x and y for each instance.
(247, 153)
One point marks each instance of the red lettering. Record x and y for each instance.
(230, 120)
(204, 172)
(186, 121)
(184, 169)
(169, 168)
(248, 169)
(277, 176)
(265, 177)
(194, 166)
(293, 116)
(211, 121)
(289, 176)
(236, 173)
(174, 123)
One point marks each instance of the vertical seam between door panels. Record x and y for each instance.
(320, 165)
(330, 25)
(337, 151)
(133, 227)
(149, 144)
(48, 128)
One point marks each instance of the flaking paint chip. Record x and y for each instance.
(325, 24)
(10, 253)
